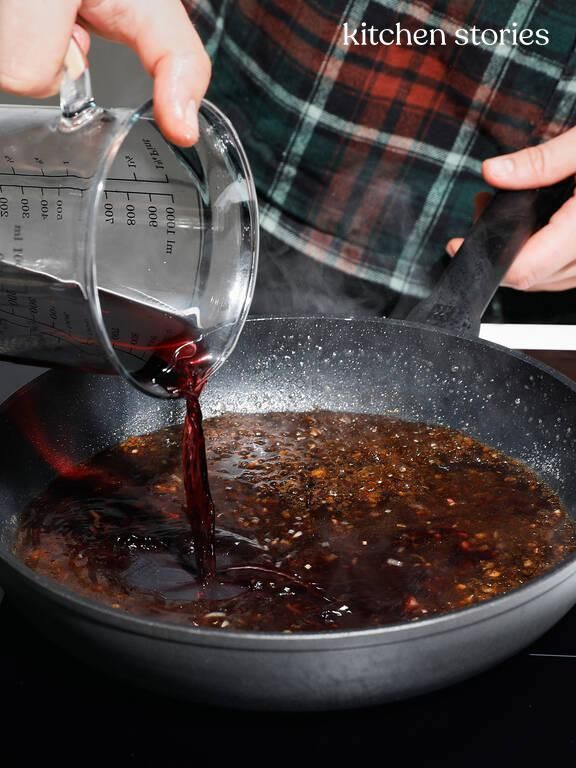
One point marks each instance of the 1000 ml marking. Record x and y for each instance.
(152, 212)
(170, 230)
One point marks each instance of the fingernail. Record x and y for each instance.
(501, 166)
(75, 61)
(191, 119)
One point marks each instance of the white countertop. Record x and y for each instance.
(517, 336)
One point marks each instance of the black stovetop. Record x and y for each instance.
(63, 712)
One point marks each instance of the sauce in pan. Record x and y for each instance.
(324, 521)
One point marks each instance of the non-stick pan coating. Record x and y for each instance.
(413, 372)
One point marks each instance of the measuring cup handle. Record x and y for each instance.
(76, 101)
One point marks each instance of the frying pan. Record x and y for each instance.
(435, 373)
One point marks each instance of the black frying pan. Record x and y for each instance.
(415, 371)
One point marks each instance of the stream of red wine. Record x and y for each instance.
(199, 504)
(190, 377)
(188, 367)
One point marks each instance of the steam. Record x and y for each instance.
(291, 284)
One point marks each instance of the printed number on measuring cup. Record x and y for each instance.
(25, 203)
(3, 207)
(152, 216)
(130, 215)
(108, 213)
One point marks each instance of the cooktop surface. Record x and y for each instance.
(64, 712)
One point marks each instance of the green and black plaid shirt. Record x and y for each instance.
(368, 158)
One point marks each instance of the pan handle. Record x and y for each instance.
(467, 285)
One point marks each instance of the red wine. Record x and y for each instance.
(44, 321)
(47, 321)
(199, 507)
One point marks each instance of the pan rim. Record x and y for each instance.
(303, 641)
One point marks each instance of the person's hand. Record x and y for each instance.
(548, 260)
(35, 34)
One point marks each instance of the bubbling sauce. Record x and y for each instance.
(324, 521)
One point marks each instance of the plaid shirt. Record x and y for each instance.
(368, 158)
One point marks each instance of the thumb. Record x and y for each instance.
(171, 50)
(533, 167)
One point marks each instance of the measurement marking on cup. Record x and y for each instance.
(82, 190)
(141, 181)
(46, 189)
(31, 175)
(139, 192)
(69, 175)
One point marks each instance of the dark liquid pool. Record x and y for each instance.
(324, 521)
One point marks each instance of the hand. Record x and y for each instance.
(548, 260)
(35, 34)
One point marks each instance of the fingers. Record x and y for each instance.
(34, 38)
(547, 252)
(559, 285)
(75, 61)
(170, 49)
(173, 53)
(82, 37)
(533, 167)
(548, 260)
(177, 96)
(563, 280)
(454, 245)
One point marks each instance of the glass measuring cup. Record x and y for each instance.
(120, 252)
